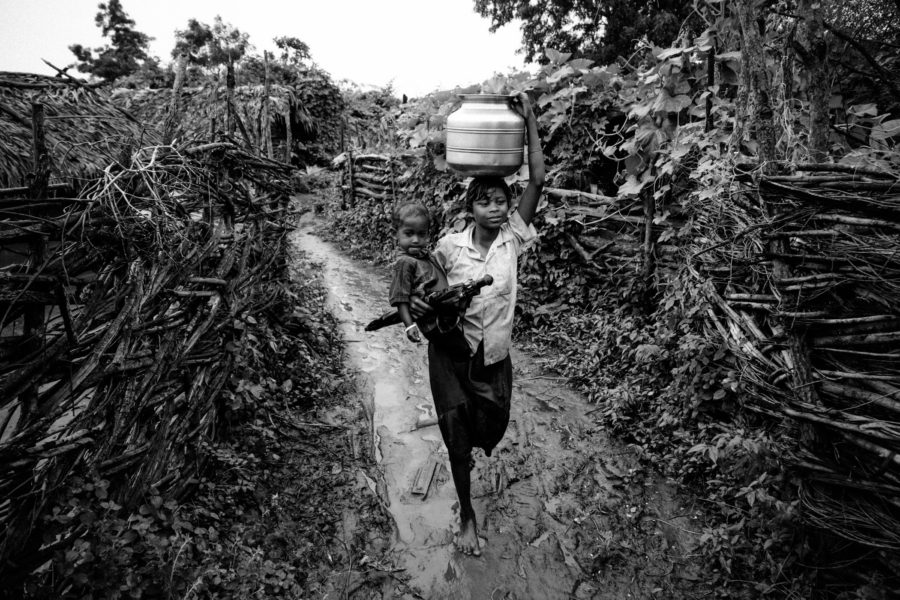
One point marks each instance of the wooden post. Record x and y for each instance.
(34, 315)
(393, 186)
(710, 82)
(229, 96)
(39, 157)
(350, 172)
(267, 115)
(213, 106)
(289, 134)
(649, 210)
(175, 102)
(243, 127)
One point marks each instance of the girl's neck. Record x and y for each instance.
(483, 238)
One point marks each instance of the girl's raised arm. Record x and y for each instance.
(529, 200)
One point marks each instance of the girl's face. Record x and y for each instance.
(412, 235)
(491, 210)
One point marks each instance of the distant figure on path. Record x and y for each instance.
(471, 379)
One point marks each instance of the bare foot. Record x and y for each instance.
(466, 540)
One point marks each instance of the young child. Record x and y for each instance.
(472, 389)
(415, 271)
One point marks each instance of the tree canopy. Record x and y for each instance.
(601, 30)
(127, 49)
(293, 50)
(210, 45)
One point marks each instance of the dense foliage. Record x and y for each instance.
(210, 45)
(601, 30)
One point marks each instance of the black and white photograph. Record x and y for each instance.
(450, 300)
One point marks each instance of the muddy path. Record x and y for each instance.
(565, 511)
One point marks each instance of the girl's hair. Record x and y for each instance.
(479, 187)
(410, 209)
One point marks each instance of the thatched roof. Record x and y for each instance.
(203, 108)
(84, 130)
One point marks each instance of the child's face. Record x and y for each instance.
(491, 210)
(412, 235)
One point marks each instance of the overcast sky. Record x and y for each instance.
(420, 45)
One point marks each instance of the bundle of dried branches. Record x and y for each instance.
(803, 276)
(139, 281)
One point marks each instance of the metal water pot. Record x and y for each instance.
(485, 136)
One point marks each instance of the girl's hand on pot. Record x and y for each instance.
(521, 103)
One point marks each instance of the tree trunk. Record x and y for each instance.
(815, 58)
(755, 76)
(760, 120)
(787, 66)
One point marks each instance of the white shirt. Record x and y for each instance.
(490, 316)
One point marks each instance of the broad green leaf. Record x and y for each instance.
(640, 110)
(632, 186)
(596, 78)
(581, 63)
(670, 52)
(863, 110)
(681, 149)
(556, 57)
(884, 135)
(734, 57)
(865, 157)
(681, 86)
(665, 103)
(561, 73)
(707, 40)
(494, 85)
(635, 163)
(698, 111)
(419, 136)
(885, 130)
(544, 99)
(647, 132)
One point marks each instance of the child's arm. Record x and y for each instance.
(418, 308)
(528, 203)
(400, 295)
(412, 332)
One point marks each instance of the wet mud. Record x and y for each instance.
(563, 511)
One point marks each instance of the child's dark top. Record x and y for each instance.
(415, 277)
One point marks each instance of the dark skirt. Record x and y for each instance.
(471, 400)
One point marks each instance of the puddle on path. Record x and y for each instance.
(526, 513)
